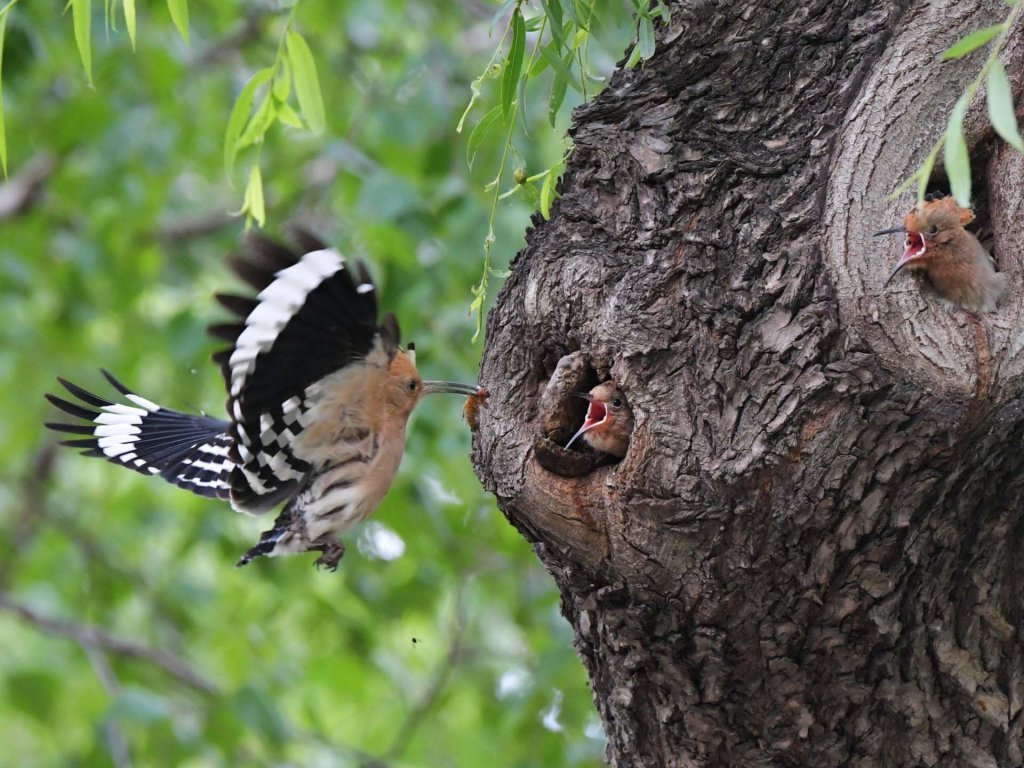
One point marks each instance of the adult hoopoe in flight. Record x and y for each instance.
(319, 396)
(952, 259)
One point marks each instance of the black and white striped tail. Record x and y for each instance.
(193, 452)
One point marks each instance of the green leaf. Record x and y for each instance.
(253, 204)
(514, 63)
(260, 123)
(477, 308)
(287, 116)
(1000, 106)
(535, 22)
(553, 9)
(646, 41)
(129, 19)
(81, 16)
(634, 57)
(539, 65)
(972, 42)
(3, 136)
(179, 15)
(958, 162)
(240, 115)
(282, 87)
(580, 38)
(307, 84)
(479, 132)
(559, 65)
(558, 90)
(580, 12)
(547, 194)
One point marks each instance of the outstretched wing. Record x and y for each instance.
(190, 451)
(313, 314)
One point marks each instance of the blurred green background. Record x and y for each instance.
(127, 636)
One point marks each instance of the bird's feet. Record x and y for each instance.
(333, 551)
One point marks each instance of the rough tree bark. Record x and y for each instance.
(812, 553)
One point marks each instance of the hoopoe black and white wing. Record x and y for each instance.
(313, 315)
(191, 451)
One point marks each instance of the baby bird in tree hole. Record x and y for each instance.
(951, 258)
(609, 421)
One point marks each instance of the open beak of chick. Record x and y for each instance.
(597, 413)
(913, 248)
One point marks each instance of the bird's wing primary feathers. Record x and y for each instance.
(190, 451)
(313, 314)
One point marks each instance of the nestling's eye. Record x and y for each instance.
(932, 229)
(617, 402)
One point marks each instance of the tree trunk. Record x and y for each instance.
(811, 554)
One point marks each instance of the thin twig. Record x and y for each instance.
(88, 635)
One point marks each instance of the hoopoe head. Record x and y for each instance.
(935, 235)
(405, 386)
(609, 421)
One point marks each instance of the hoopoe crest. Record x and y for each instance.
(319, 394)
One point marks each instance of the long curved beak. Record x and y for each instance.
(587, 426)
(904, 260)
(595, 418)
(452, 387)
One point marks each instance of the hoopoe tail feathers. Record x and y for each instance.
(188, 450)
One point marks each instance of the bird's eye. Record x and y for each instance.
(932, 229)
(412, 385)
(617, 402)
